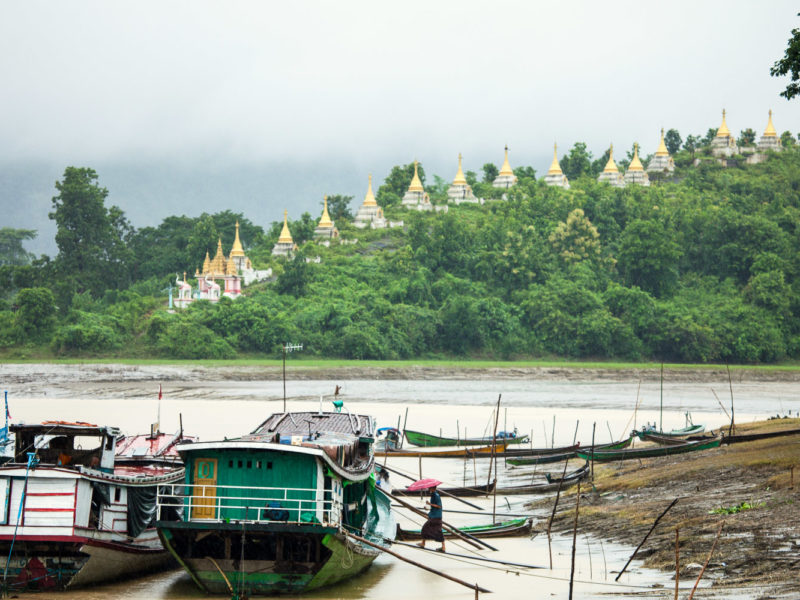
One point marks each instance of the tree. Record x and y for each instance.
(92, 240)
(35, 314)
(692, 143)
(11, 250)
(339, 207)
(709, 137)
(578, 162)
(295, 277)
(747, 137)
(203, 239)
(672, 139)
(787, 139)
(525, 173)
(490, 172)
(576, 239)
(790, 63)
(648, 257)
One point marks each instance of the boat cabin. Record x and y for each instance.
(66, 444)
(310, 468)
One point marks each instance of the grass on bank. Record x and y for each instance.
(295, 362)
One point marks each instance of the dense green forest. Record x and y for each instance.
(702, 266)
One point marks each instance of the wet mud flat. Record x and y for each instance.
(749, 488)
(55, 373)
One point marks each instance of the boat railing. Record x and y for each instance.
(249, 504)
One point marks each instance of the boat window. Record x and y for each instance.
(269, 464)
(258, 464)
(240, 464)
(249, 464)
(230, 464)
(117, 494)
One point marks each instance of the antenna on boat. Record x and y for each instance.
(287, 347)
(320, 404)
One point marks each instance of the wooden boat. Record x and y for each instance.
(551, 458)
(72, 516)
(387, 438)
(611, 455)
(511, 528)
(155, 447)
(447, 452)
(674, 433)
(752, 437)
(426, 439)
(269, 512)
(478, 490)
(520, 452)
(551, 484)
(664, 440)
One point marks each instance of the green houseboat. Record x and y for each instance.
(272, 512)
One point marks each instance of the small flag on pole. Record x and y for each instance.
(159, 391)
(8, 414)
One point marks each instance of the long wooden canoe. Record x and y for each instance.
(666, 440)
(752, 437)
(426, 440)
(674, 433)
(551, 484)
(447, 452)
(509, 528)
(551, 458)
(519, 452)
(629, 453)
(477, 490)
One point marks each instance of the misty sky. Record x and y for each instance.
(255, 106)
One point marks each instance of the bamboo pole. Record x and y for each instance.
(574, 537)
(471, 556)
(575, 435)
(721, 405)
(403, 436)
(677, 561)
(673, 503)
(703, 570)
(443, 492)
(732, 428)
(473, 541)
(493, 459)
(553, 514)
(416, 564)
(593, 427)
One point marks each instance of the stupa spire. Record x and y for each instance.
(286, 236)
(636, 164)
(416, 184)
(662, 147)
(555, 167)
(460, 179)
(237, 249)
(369, 199)
(611, 166)
(770, 130)
(325, 220)
(506, 168)
(723, 130)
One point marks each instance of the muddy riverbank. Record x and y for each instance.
(748, 487)
(61, 372)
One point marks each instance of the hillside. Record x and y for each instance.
(702, 266)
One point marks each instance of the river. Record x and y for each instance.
(552, 412)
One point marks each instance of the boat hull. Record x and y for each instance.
(277, 560)
(419, 438)
(612, 455)
(48, 564)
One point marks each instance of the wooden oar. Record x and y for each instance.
(471, 540)
(442, 492)
(470, 556)
(416, 564)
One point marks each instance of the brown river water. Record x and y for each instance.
(215, 407)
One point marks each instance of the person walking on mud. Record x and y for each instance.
(432, 530)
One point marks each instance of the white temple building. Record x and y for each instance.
(661, 161)
(770, 139)
(635, 174)
(325, 228)
(724, 144)
(460, 191)
(285, 244)
(611, 174)
(555, 176)
(415, 197)
(506, 178)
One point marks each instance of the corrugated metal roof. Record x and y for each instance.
(300, 423)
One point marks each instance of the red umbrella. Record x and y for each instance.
(423, 484)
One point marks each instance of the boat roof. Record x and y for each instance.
(64, 428)
(306, 423)
(145, 445)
